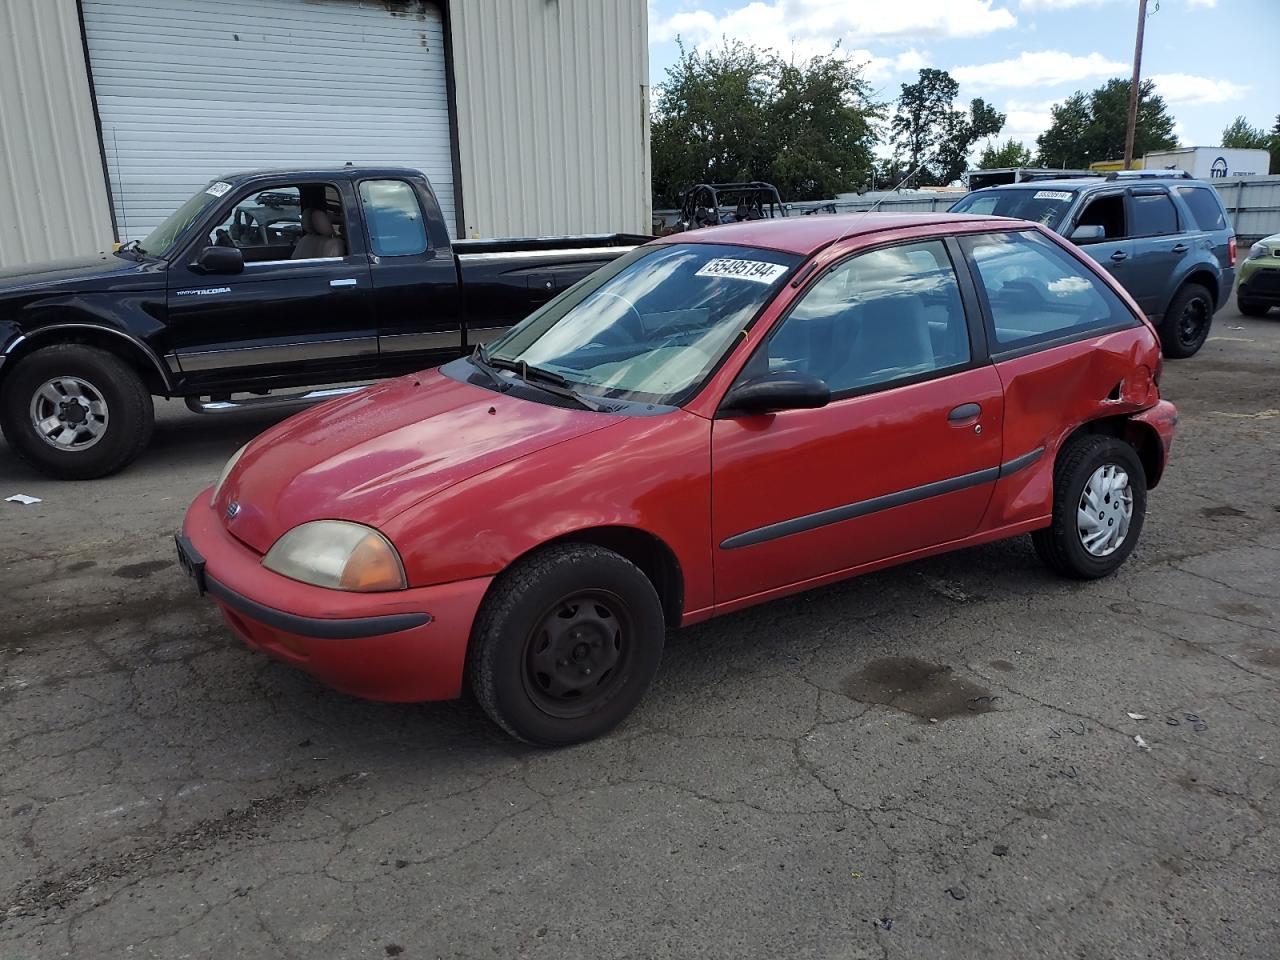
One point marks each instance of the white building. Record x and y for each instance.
(529, 116)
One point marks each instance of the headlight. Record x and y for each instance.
(338, 554)
(1257, 252)
(226, 471)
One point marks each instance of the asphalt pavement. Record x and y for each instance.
(941, 760)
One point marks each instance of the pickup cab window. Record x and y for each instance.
(300, 222)
(394, 217)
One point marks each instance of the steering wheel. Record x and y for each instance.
(247, 223)
(614, 333)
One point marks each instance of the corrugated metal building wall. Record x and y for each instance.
(53, 195)
(553, 115)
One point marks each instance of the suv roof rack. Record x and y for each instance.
(1149, 175)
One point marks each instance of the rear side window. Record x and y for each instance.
(394, 217)
(1038, 293)
(1206, 209)
(1153, 215)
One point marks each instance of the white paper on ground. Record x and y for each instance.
(22, 498)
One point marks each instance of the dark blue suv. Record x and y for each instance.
(1166, 238)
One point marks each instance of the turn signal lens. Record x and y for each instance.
(338, 554)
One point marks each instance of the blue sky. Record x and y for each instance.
(1211, 59)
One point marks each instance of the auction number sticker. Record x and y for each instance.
(218, 189)
(1052, 195)
(757, 271)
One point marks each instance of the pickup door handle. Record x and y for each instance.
(1180, 248)
(349, 282)
(1119, 255)
(966, 411)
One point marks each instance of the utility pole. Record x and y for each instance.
(1131, 126)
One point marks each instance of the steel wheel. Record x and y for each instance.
(575, 654)
(69, 413)
(1105, 510)
(1192, 322)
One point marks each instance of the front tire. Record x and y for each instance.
(566, 644)
(1099, 504)
(1186, 325)
(1252, 308)
(75, 412)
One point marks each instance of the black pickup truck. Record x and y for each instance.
(260, 284)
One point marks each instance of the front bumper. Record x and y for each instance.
(1259, 281)
(406, 645)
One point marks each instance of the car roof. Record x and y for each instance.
(324, 173)
(808, 234)
(1085, 183)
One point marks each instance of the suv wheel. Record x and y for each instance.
(75, 412)
(1186, 325)
(566, 644)
(1099, 503)
(1252, 308)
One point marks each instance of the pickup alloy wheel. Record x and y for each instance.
(75, 412)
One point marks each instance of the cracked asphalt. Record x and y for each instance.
(782, 792)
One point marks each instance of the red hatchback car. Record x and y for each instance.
(714, 420)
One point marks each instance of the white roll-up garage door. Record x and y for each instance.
(189, 90)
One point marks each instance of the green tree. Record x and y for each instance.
(1239, 133)
(1011, 153)
(927, 131)
(741, 113)
(1087, 127)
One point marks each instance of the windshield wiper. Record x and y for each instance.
(547, 380)
(481, 363)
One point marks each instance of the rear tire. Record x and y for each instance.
(1185, 326)
(565, 644)
(75, 412)
(1252, 308)
(1099, 504)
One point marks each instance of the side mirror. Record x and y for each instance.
(1088, 233)
(219, 260)
(785, 390)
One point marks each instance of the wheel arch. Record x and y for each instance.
(1202, 275)
(650, 553)
(1141, 436)
(127, 348)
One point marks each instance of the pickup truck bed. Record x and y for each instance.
(261, 283)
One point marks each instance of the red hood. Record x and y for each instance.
(368, 456)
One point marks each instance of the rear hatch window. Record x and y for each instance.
(1206, 208)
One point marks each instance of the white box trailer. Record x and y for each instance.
(1211, 163)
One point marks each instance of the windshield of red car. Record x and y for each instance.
(1044, 205)
(652, 325)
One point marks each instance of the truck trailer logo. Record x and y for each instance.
(1219, 168)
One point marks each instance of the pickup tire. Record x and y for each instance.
(75, 412)
(1099, 503)
(565, 645)
(1185, 326)
(1252, 308)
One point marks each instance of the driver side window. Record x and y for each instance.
(879, 317)
(284, 223)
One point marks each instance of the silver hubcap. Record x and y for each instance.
(1106, 507)
(69, 413)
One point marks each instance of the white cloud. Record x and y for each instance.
(1060, 4)
(1184, 88)
(805, 25)
(1202, 3)
(1040, 68)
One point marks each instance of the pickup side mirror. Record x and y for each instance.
(1088, 233)
(219, 260)
(784, 390)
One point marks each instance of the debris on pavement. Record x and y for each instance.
(23, 499)
(1140, 742)
(1137, 716)
(957, 892)
(1000, 850)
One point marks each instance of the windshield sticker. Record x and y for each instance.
(757, 271)
(1052, 195)
(218, 189)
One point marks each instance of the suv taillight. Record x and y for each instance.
(1231, 252)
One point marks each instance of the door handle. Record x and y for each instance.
(350, 282)
(1119, 255)
(1180, 248)
(966, 411)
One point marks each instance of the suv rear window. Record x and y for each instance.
(1153, 215)
(1206, 209)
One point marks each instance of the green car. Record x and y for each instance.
(1259, 288)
